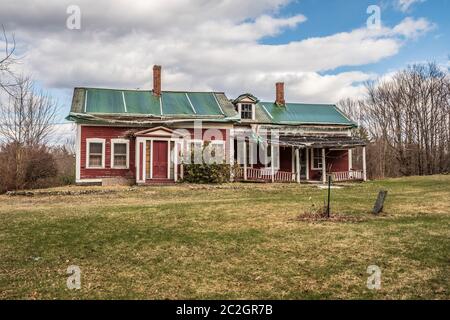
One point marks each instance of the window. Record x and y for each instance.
(247, 111)
(317, 159)
(95, 153)
(218, 150)
(194, 151)
(119, 153)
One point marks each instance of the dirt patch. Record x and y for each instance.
(315, 217)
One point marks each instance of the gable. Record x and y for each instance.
(159, 132)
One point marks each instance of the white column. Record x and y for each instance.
(175, 161)
(231, 153)
(144, 159)
(350, 160)
(78, 155)
(151, 159)
(307, 164)
(245, 160)
(297, 161)
(364, 164)
(168, 157)
(324, 167)
(272, 168)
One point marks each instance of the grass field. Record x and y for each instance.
(230, 241)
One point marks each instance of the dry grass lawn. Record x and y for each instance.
(233, 241)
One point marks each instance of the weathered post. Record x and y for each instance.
(329, 194)
(379, 204)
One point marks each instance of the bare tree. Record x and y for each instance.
(27, 119)
(7, 78)
(408, 120)
(26, 123)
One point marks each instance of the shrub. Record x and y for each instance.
(26, 167)
(207, 173)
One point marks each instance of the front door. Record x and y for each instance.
(160, 158)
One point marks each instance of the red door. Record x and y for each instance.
(160, 159)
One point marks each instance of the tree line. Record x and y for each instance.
(406, 118)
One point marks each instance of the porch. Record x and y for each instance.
(308, 159)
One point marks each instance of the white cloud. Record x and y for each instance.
(405, 5)
(412, 28)
(202, 45)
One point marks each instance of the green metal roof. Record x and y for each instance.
(205, 103)
(302, 113)
(94, 104)
(141, 102)
(176, 103)
(144, 103)
(101, 101)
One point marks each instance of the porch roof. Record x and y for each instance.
(337, 142)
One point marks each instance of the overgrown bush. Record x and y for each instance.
(26, 167)
(207, 173)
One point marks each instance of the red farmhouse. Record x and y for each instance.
(148, 136)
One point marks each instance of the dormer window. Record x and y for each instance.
(247, 111)
(245, 106)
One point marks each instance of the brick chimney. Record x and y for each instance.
(279, 98)
(156, 80)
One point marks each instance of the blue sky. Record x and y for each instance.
(322, 50)
(333, 16)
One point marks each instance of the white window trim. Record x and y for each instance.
(88, 151)
(312, 159)
(253, 111)
(125, 141)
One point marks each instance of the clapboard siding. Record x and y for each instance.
(106, 133)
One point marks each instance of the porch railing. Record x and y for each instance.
(265, 175)
(348, 175)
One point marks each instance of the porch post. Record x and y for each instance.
(245, 160)
(183, 157)
(144, 159)
(231, 153)
(307, 164)
(324, 167)
(151, 159)
(175, 161)
(297, 164)
(364, 164)
(137, 162)
(350, 160)
(272, 169)
(168, 157)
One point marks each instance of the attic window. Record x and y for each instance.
(247, 111)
